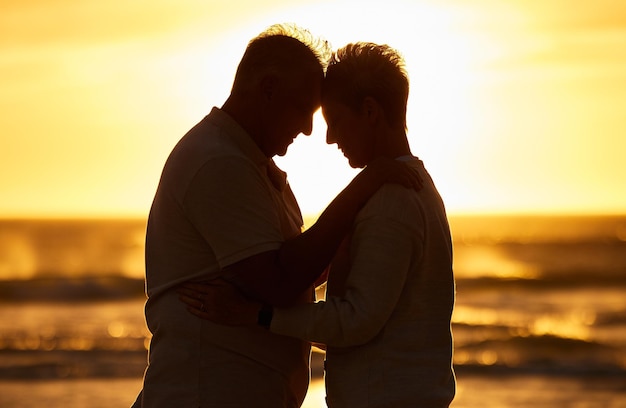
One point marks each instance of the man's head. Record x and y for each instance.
(364, 99)
(279, 83)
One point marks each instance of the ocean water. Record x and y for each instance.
(540, 318)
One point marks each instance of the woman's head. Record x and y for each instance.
(361, 70)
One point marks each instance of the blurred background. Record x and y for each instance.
(517, 109)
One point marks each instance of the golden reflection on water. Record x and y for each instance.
(116, 329)
(574, 325)
(70, 327)
(485, 261)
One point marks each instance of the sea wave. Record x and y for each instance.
(534, 294)
(546, 354)
(39, 364)
(517, 355)
(99, 288)
(87, 288)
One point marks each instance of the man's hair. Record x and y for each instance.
(365, 69)
(283, 50)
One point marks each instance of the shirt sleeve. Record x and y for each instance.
(382, 251)
(229, 203)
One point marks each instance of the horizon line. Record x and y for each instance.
(451, 214)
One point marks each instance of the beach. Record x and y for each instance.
(540, 317)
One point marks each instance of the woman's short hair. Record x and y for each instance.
(364, 69)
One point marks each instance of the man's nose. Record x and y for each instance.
(307, 129)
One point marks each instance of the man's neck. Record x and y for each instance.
(237, 109)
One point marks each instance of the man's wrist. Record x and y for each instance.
(265, 315)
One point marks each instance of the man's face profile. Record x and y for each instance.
(291, 112)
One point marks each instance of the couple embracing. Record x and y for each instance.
(230, 274)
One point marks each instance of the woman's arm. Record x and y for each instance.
(279, 277)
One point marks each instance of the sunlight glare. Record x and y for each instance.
(440, 60)
(503, 107)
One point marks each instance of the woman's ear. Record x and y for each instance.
(372, 110)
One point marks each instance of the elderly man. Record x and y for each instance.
(224, 210)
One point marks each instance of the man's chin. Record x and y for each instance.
(280, 150)
(283, 151)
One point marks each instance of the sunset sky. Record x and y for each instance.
(515, 106)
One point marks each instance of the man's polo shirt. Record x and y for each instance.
(215, 206)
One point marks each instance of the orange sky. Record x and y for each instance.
(515, 106)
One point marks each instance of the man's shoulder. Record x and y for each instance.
(217, 139)
(207, 138)
(206, 145)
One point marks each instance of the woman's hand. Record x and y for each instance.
(219, 302)
(394, 171)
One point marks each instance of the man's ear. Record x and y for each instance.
(268, 86)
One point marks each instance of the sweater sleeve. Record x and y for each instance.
(383, 248)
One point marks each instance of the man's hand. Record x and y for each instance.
(219, 302)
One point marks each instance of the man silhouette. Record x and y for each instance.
(224, 210)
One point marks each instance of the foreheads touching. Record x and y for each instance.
(284, 51)
(364, 69)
